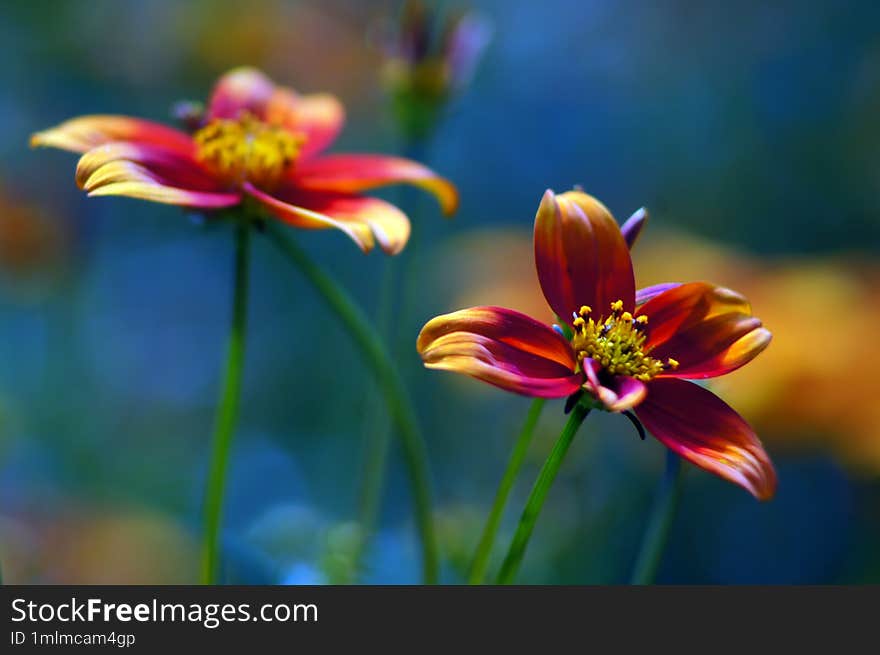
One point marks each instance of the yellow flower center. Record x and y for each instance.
(616, 343)
(247, 150)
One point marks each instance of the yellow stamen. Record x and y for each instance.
(617, 344)
(672, 363)
(585, 310)
(247, 150)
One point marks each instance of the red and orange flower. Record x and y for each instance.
(628, 349)
(258, 143)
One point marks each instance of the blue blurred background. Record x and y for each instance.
(750, 132)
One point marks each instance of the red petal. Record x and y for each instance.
(502, 347)
(150, 172)
(181, 170)
(704, 430)
(309, 218)
(86, 132)
(126, 178)
(581, 256)
(357, 173)
(241, 89)
(685, 305)
(715, 346)
(319, 117)
(387, 223)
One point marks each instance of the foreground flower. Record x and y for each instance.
(259, 143)
(628, 349)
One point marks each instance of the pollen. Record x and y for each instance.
(247, 150)
(617, 343)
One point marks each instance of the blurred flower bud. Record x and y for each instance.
(427, 59)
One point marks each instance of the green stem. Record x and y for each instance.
(662, 514)
(227, 413)
(539, 493)
(520, 448)
(377, 438)
(377, 435)
(391, 386)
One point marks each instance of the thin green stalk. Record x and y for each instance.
(390, 384)
(377, 435)
(529, 517)
(662, 514)
(228, 410)
(414, 200)
(520, 448)
(377, 438)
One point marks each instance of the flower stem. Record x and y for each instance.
(227, 413)
(662, 514)
(539, 493)
(377, 435)
(391, 386)
(514, 464)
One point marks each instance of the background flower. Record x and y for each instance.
(258, 145)
(429, 55)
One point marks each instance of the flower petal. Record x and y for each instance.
(241, 89)
(715, 346)
(126, 178)
(387, 223)
(633, 226)
(318, 116)
(150, 172)
(708, 330)
(685, 305)
(498, 364)
(502, 347)
(86, 132)
(704, 430)
(183, 170)
(357, 173)
(617, 394)
(506, 325)
(581, 256)
(307, 218)
(644, 295)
